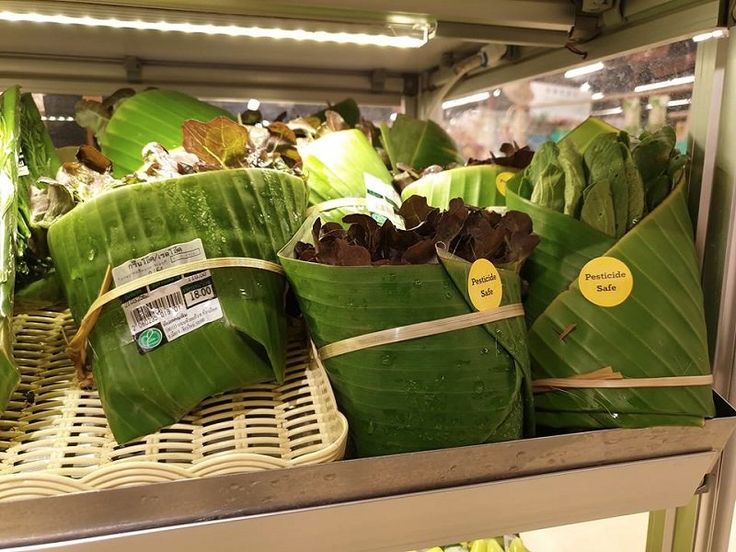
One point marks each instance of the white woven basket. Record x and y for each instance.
(54, 437)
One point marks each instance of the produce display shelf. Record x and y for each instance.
(399, 502)
(54, 438)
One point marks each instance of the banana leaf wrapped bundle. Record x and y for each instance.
(617, 333)
(9, 138)
(212, 331)
(464, 386)
(481, 183)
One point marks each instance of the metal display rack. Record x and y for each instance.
(402, 502)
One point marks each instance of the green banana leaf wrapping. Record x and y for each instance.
(240, 212)
(336, 165)
(150, 116)
(658, 331)
(459, 388)
(418, 144)
(9, 136)
(476, 185)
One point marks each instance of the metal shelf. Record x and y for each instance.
(390, 503)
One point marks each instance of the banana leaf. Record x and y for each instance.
(9, 136)
(240, 212)
(418, 144)
(336, 165)
(566, 245)
(587, 131)
(150, 116)
(465, 387)
(476, 185)
(658, 331)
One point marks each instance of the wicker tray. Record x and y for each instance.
(54, 438)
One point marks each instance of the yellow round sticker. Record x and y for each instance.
(501, 180)
(606, 281)
(484, 285)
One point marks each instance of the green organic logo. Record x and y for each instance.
(150, 338)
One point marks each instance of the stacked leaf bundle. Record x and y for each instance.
(172, 343)
(628, 202)
(466, 386)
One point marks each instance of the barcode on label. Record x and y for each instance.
(156, 309)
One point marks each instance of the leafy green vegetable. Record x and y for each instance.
(9, 147)
(604, 161)
(221, 142)
(418, 144)
(598, 208)
(572, 165)
(549, 190)
(606, 187)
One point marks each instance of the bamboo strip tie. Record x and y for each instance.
(338, 203)
(421, 329)
(78, 345)
(607, 378)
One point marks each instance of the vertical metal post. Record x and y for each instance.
(716, 226)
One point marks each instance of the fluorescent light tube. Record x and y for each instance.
(496, 92)
(584, 70)
(465, 100)
(597, 96)
(585, 87)
(365, 39)
(665, 84)
(719, 33)
(604, 112)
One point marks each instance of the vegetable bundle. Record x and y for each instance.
(150, 376)
(639, 314)
(462, 387)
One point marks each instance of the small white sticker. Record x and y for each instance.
(162, 312)
(382, 200)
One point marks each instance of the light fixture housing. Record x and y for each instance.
(679, 81)
(403, 33)
(584, 70)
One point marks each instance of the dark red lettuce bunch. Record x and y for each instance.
(468, 232)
